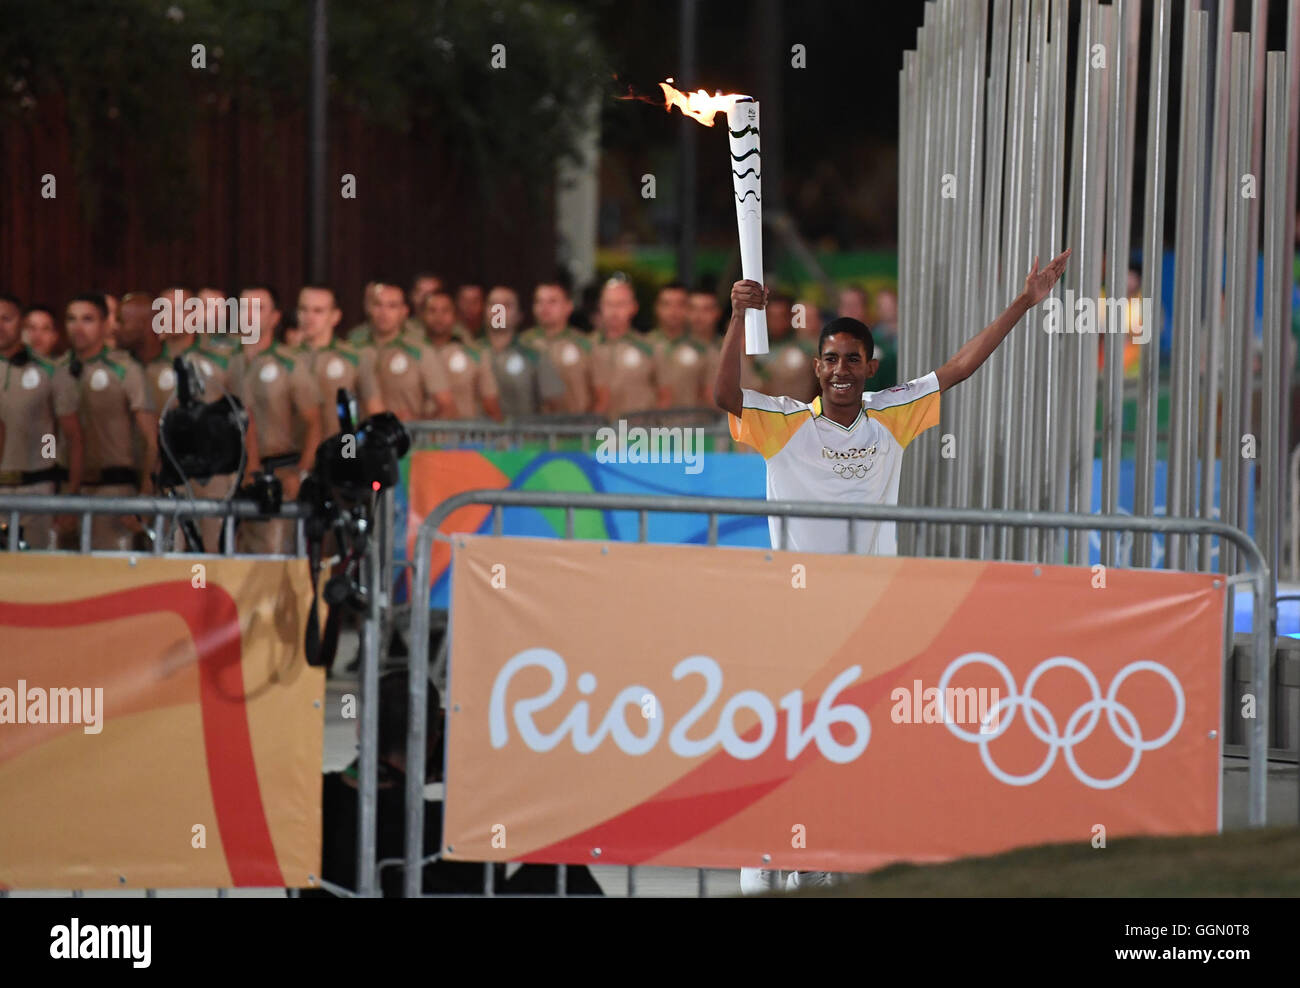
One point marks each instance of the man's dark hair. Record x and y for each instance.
(672, 286)
(443, 292)
(95, 299)
(275, 297)
(851, 326)
(777, 296)
(394, 714)
(317, 287)
(420, 276)
(40, 307)
(377, 283)
(12, 300)
(560, 280)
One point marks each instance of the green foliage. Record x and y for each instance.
(124, 73)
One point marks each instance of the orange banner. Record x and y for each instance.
(159, 726)
(704, 707)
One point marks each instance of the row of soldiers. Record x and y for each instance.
(87, 421)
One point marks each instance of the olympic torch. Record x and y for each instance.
(746, 184)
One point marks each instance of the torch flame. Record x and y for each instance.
(698, 105)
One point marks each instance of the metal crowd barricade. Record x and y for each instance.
(540, 430)
(550, 431)
(1256, 573)
(160, 510)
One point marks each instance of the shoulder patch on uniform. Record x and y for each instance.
(115, 366)
(347, 352)
(222, 359)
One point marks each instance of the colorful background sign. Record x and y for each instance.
(211, 720)
(431, 477)
(675, 705)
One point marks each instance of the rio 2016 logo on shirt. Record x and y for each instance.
(847, 454)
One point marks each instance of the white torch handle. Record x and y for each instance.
(747, 186)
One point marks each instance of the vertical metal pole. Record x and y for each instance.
(417, 727)
(1031, 206)
(1212, 312)
(318, 146)
(1240, 261)
(971, 399)
(1043, 232)
(1053, 448)
(1186, 286)
(368, 769)
(1091, 203)
(1258, 40)
(991, 373)
(907, 294)
(1292, 113)
(926, 192)
(949, 61)
(961, 157)
(1117, 277)
(1008, 354)
(1153, 240)
(1277, 284)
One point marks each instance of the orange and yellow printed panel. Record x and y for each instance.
(693, 706)
(159, 725)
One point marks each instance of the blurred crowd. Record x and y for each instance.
(82, 389)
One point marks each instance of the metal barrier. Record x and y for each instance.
(1257, 574)
(551, 431)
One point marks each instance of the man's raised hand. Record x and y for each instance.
(747, 295)
(1039, 283)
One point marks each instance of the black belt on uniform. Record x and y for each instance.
(278, 460)
(15, 478)
(116, 476)
(41, 476)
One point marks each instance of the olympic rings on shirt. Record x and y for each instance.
(850, 471)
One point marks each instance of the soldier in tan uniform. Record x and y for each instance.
(43, 333)
(37, 399)
(137, 337)
(115, 415)
(787, 368)
(411, 379)
(334, 363)
(703, 315)
(469, 310)
(670, 314)
(280, 393)
(219, 372)
(570, 350)
(679, 360)
(625, 362)
(527, 379)
(469, 371)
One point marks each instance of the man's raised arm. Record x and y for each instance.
(978, 348)
(726, 388)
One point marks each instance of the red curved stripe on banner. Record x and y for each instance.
(212, 618)
(705, 797)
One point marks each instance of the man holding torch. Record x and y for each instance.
(847, 444)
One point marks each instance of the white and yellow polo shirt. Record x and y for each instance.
(811, 458)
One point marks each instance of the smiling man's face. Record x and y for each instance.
(843, 370)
